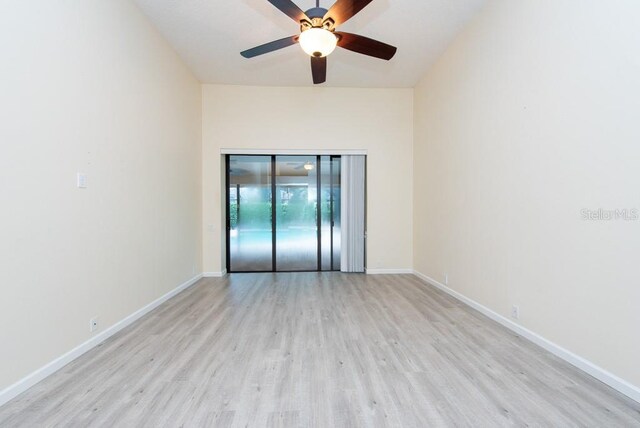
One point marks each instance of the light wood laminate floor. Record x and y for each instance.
(321, 350)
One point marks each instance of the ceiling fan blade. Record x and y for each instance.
(319, 69)
(342, 10)
(365, 45)
(290, 9)
(270, 47)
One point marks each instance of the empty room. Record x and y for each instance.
(340, 213)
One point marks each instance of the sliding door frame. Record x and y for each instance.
(273, 198)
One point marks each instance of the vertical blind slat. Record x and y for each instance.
(352, 216)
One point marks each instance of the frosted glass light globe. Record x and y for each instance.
(318, 42)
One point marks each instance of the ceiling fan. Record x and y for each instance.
(318, 36)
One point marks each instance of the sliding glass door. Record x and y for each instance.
(296, 222)
(249, 240)
(283, 213)
(330, 212)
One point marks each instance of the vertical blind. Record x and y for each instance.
(352, 216)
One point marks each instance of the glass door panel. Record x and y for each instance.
(330, 201)
(250, 241)
(326, 217)
(335, 212)
(296, 213)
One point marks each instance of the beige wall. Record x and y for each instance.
(90, 86)
(528, 118)
(377, 120)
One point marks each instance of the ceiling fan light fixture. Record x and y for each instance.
(318, 37)
(308, 166)
(318, 42)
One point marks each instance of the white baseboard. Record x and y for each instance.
(388, 271)
(599, 373)
(214, 274)
(28, 381)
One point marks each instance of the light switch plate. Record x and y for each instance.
(82, 181)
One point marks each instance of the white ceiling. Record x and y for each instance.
(210, 34)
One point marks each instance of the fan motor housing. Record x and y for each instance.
(316, 20)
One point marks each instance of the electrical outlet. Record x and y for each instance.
(93, 324)
(515, 312)
(446, 279)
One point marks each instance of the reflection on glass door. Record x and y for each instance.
(249, 213)
(300, 231)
